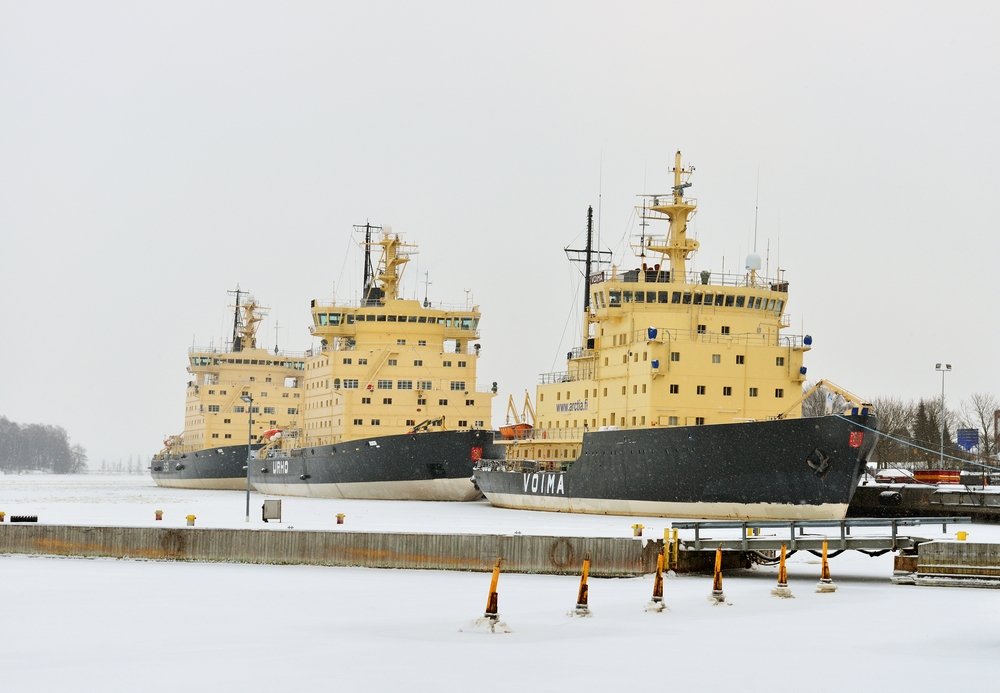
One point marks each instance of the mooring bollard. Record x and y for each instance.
(490, 621)
(717, 597)
(656, 604)
(340, 518)
(581, 596)
(825, 584)
(191, 519)
(782, 590)
(159, 514)
(675, 545)
(637, 530)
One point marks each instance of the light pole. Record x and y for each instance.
(248, 398)
(944, 368)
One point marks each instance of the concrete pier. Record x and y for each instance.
(611, 557)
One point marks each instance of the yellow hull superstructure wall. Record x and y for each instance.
(214, 412)
(387, 368)
(665, 347)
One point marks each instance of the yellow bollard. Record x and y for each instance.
(637, 530)
(825, 584)
(493, 599)
(158, 514)
(718, 597)
(656, 604)
(490, 621)
(782, 590)
(191, 519)
(676, 545)
(581, 596)
(960, 536)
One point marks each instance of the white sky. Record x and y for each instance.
(154, 155)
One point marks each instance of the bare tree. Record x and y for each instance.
(978, 413)
(894, 419)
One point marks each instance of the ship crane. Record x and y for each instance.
(427, 424)
(521, 427)
(849, 396)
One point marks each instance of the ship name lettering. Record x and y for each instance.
(279, 466)
(542, 482)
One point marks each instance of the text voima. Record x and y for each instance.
(544, 482)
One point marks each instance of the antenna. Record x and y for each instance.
(276, 336)
(756, 200)
(427, 282)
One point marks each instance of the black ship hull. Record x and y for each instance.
(213, 468)
(785, 469)
(434, 465)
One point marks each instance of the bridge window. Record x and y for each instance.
(740, 301)
(675, 297)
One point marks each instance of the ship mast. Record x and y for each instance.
(395, 254)
(237, 325)
(367, 295)
(677, 246)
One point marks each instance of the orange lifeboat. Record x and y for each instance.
(516, 431)
(272, 434)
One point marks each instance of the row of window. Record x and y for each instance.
(210, 361)
(697, 298)
(240, 409)
(727, 391)
(335, 319)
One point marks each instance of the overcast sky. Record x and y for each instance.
(155, 155)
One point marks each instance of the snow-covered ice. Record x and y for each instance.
(112, 625)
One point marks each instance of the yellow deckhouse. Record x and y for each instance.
(667, 347)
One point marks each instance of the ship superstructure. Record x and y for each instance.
(212, 450)
(667, 347)
(684, 397)
(392, 375)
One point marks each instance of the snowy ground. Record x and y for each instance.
(107, 625)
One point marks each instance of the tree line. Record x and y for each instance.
(38, 447)
(912, 429)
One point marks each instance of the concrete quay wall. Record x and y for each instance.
(610, 557)
(958, 560)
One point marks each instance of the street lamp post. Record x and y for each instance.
(944, 368)
(248, 398)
